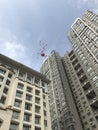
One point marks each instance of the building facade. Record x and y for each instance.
(81, 66)
(63, 112)
(23, 97)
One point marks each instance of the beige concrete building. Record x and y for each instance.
(81, 65)
(64, 115)
(23, 97)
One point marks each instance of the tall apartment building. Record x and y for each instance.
(74, 78)
(81, 66)
(23, 98)
(63, 112)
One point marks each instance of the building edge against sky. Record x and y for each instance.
(81, 65)
(24, 101)
(81, 69)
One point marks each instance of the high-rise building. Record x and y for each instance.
(74, 78)
(23, 98)
(63, 112)
(81, 66)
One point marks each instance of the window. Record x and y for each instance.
(43, 84)
(37, 92)
(26, 127)
(45, 113)
(17, 103)
(37, 128)
(5, 90)
(3, 99)
(28, 97)
(28, 79)
(43, 96)
(15, 114)
(2, 71)
(37, 119)
(28, 106)
(36, 80)
(8, 82)
(45, 122)
(10, 75)
(44, 104)
(37, 100)
(21, 75)
(20, 86)
(1, 79)
(13, 126)
(1, 122)
(27, 117)
(29, 89)
(37, 109)
(18, 94)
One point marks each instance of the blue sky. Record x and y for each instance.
(24, 23)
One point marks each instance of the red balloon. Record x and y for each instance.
(42, 54)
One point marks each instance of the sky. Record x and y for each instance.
(24, 23)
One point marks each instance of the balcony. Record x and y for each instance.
(91, 95)
(75, 62)
(77, 67)
(83, 78)
(94, 102)
(87, 86)
(80, 72)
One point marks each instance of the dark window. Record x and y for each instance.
(28, 79)
(26, 127)
(1, 122)
(15, 114)
(17, 103)
(8, 82)
(37, 92)
(37, 128)
(28, 97)
(45, 122)
(3, 99)
(44, 104)
(10, 75)
(27, 117)
(43, 96)
(45, 113)
(28, 106)
(36, 80)
(37, 100)
(43, 84)
(20, 86)
(37, 119)
(2, 71)
(18, 94)
(21, 74)
(13, 126)
(37, 109)
(1, 79)
(29, 89)
(5, 90)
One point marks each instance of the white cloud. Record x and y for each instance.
(13, 49)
